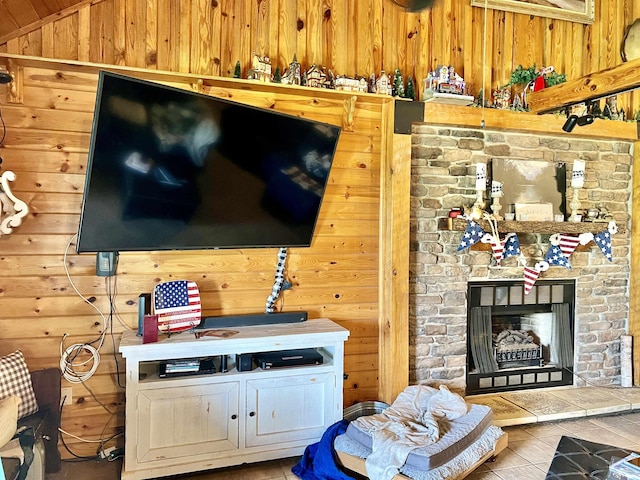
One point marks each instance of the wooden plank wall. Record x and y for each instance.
(349, 36)
(47, 142)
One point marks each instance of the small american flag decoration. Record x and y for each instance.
(177, 305)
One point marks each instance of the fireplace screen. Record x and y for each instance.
(518, 341)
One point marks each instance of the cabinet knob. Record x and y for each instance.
(252, 414)
(234, 416)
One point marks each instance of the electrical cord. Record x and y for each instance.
(4, 129)
(68, 356)
(112, 291)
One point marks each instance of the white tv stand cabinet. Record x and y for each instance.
(192, 423)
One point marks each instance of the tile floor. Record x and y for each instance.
(534, 420)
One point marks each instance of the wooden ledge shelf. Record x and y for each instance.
(460, 224)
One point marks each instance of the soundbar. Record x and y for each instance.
(250, 320)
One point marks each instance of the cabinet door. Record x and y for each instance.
(289, 408)
(182, 422)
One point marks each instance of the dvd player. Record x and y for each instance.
(288, 358)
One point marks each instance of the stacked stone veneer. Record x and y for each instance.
(443, 176)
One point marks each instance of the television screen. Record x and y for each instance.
(171, 169)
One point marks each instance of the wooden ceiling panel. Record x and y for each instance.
(19, 17)
(21, 12)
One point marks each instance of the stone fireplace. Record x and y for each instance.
(443, 177)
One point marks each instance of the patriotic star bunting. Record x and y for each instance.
(471, 236)
(603, 240)
(555, 257)
(511, 246)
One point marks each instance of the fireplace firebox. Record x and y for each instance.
(519, 341)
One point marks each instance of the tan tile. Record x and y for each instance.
(507, 459)
(633, 417)
(533, 451)
(528, 472)
(577, 425)
(611, 421)
(551, 440)
(486, 475)
(605, 436)
(518, 432)
(544, 429)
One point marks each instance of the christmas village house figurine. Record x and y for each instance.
(349, 84)
(292, 76)
(260, 69)
(383, 84)
(444, 85)
(316, 77)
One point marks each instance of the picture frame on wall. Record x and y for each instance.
(581, 11)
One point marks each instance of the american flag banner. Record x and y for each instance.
(177, 305)
(511, 246)
(530, 277)
(498, 249)
(568, 244)
(555, 257)
(471, 236)
(603, 240)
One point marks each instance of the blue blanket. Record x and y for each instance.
(319, 460)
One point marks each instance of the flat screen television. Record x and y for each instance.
(172, 169)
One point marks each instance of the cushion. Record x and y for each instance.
(15, 380)
(8, 418)
(457, 436)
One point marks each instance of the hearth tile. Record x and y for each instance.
(505, 413)
(594, 401)
(545, 406)
(630, 394)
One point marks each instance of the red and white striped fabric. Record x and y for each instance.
(568, 244)
(530, 277)
(498, 249)
(177, 305)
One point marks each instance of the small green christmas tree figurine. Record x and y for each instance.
(237, 72)
(411, 91)
(277, 77)
(398, 84)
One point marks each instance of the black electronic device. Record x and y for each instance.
(244, 362)
(250, 320)
(186, 367)
(171, 169)
(144, 308)
(288, 358)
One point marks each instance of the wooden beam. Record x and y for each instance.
(604, 83)
(525, 122)
(395, 183)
